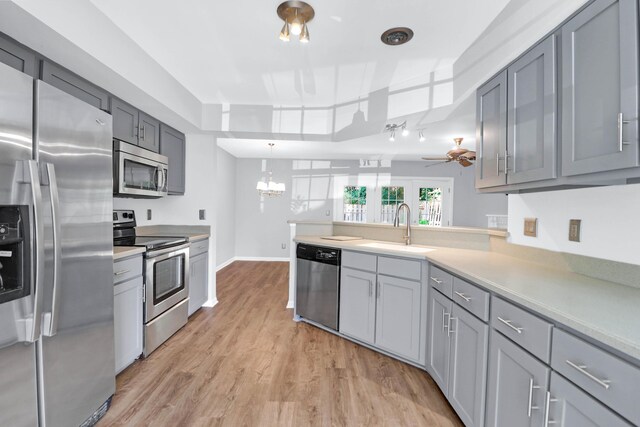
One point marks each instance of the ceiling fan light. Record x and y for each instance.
(284, 33)
(296, 25)
(304, 35)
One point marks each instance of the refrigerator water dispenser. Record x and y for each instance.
(14, 252)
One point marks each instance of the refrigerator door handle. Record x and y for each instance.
(33, 325)
(50, 318)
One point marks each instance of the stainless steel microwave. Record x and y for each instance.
(138, 172)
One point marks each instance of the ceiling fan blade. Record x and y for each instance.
(469, 155)
(456, 152)
(464, 162)
(436, 164)
(434, 159)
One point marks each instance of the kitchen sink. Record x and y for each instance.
(397, 247)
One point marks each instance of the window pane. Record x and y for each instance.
(391, 198)
(430, 206)
(355, 204)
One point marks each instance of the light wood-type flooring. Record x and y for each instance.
(246, 363)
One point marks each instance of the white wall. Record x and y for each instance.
(261, 225)
(609, 221)
(226, 216)
(183, 210)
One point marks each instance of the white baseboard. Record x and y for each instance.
(290, 304)
(210, 303)
(226, 263)
(251, 258)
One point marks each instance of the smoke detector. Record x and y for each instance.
(396, 36)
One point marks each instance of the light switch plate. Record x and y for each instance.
(202, 214)
(574, 230)
(531, 227)
(149, 215)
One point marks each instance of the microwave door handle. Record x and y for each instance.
(164, 179)
(159, 179)
(51, 318)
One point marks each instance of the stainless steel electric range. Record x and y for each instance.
(166, 279)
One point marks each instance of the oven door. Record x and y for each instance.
(167, 280)
(140, 177)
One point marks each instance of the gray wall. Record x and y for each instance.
(226, 214)
(261, 225)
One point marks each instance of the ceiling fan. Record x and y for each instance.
(461, 155)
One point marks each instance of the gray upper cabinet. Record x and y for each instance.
(17, 56)
(398, 316)
(358, 304)
(468, 366)
(517, 383)
(125, 121)
(531, 138)
(599, 88)
(172, 145)
(74, 85)
(491, 132)
(149, 133)
(571, 407)
(439, 349)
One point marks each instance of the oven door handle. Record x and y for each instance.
(162, 254)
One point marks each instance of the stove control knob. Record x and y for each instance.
(3, 230)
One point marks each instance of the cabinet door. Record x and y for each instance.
(491, 132)
(516, 385)
(531, 136)
(198, 281)
(74, 85)
(127, 321)
(468, 366)
(357, 304)
(438, 356)
(172, 145)
(398, 316)
(599, 86)
(18, 57)
(125, 121)
(571, 407)
(149, 134)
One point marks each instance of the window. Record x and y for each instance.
(354, 203)
(390, 198)
(430, 206)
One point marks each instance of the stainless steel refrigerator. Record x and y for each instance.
(56, 267)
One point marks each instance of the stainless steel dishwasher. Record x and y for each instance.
(318, 284)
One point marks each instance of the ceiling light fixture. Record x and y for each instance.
(296, 15)
(269, 187)
(394, 127)
(396, 36)
(421, 137)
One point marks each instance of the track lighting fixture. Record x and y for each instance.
(392, 137)
(421, 137)
(393, 127)
(296, 16)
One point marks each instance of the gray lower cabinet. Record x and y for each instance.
(127, 311)
(531, 137)
(17, 56)
(571, 407)
(149, 132)
(198, 281)
(358, 304)
(439, 345)
(398, 316)
(517, 384)
(74, 85)
(125, 121)
(491, 132)
(468, 366)
(599, 88)
(173, 145)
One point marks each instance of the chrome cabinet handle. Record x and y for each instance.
(583, 370)
(120, 273)
(450, 329)
(51, 318)
(370, 288)
(144, 133)
(435, 279)
(498, 164)
(445, 325)
(509, 324)
(463, 296)
(506, 163)
(621, 123)
(530, 406)
(548, 401)
(378, 289)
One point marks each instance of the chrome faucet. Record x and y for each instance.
(396, 222)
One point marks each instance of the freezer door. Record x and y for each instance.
(18, 397)
(77, 366)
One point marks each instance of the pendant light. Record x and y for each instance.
(269, 187)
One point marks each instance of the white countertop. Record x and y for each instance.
(120, 252)
(605, 311)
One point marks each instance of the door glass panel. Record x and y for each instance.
(355, 204)
(430, 206)
(140, 176)
(391, 197)
(168, 277)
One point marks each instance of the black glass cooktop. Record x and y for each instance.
(150, 242)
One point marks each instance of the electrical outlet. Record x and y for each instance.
(574, 230)
(202, 214)
(284, 246)
(149, 215)
(328, 213)
(531, 227)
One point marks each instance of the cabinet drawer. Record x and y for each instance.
(199, 247)
(126, 269)
(609, 379)
(472, 298)
(529, 331)
(441, 280)
(359, 261)
(404, 268)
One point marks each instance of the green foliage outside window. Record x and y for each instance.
(355, 195)
(392, 195)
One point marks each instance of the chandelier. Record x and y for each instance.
(269, 187)
(296, 15)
